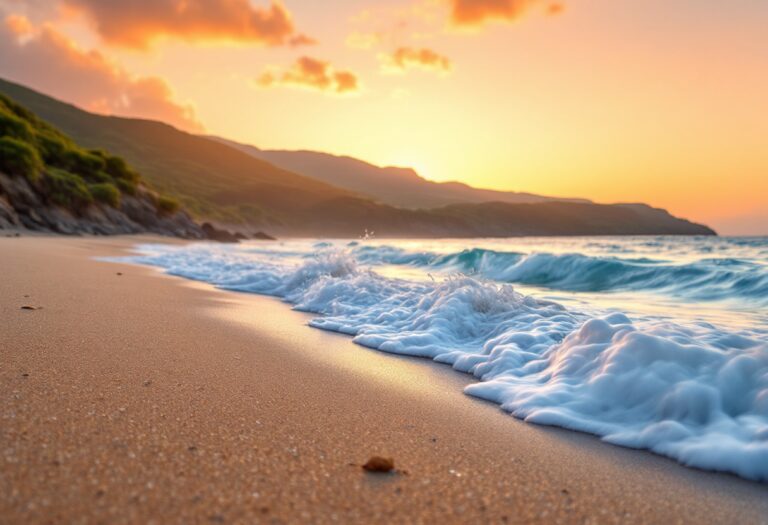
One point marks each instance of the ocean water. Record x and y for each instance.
(658, 343)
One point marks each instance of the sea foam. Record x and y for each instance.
(689, 391)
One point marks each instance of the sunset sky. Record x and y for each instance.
(659, 101)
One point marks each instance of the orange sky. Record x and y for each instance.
(614, 100)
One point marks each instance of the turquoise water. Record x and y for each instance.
(717, 279)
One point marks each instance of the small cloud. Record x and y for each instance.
(311, 73)
(473, 13)
(302, 40)
(346, 82)
(406, 58)
(555, 8)
(267, 79)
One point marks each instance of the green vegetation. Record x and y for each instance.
(71, 176)
(106, 193)
(127, 188)
(19, 158)
(168, 205)
(67, 190)
(12, 125)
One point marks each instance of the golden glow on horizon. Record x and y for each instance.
(608, 100)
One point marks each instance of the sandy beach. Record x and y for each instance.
(129, 396)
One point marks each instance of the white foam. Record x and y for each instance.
(692, 392)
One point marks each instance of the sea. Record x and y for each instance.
(657, 343)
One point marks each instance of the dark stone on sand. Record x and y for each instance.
(379, 464)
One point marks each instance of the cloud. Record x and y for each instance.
(48, 61)
(469, 13)
(555, 8)
(405, 58)
(301, 40)
(138, 23)
(312, 73)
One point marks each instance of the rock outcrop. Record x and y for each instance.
(22, 206)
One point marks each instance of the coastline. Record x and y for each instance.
(149, 396)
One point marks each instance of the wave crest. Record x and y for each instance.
(706, 279)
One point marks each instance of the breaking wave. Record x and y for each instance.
(689, 391)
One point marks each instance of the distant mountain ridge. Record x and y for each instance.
(400, 187)
(220, 183)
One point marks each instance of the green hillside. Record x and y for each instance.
(212, 180)
(71, 177)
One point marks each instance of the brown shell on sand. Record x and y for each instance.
(379, 464)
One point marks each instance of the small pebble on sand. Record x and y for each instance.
(379, 464)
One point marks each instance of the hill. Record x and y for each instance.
(50, 183)
(399, 187)
(212, 180)
(349, 217)
(218, 182)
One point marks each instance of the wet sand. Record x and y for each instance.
(142, 398)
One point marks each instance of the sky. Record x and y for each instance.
(659, 101)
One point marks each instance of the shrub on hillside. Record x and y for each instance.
(66, 174)
(85, 164)
(119, 169)
(105, 193)
(167, 205)
(67, 189)
(13, 126)
(127, 187)
(54, 147)
(19, 158)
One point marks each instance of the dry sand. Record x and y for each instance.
(141, 398)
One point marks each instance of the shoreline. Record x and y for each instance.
(150, 396)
